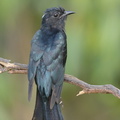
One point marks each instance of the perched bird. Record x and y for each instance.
(47, 64)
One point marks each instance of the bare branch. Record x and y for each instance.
(17, 68)
(88, 88)
(13, 68)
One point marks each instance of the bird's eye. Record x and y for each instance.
(55, 15)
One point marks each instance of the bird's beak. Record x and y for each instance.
(67, 13)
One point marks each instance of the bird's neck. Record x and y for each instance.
(51, 30)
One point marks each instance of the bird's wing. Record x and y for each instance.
(55, 60)
(47, 67)
(34, 60)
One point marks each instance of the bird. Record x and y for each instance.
(47, 64)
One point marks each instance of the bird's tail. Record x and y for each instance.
(42, 109)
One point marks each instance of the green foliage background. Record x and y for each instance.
(93, 55)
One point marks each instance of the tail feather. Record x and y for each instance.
(42, 109)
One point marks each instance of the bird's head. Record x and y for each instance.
(55, 17)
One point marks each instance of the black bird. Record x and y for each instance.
(47, 64)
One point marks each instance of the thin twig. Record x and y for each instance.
(17, 68)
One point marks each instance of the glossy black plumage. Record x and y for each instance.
(47, 64)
